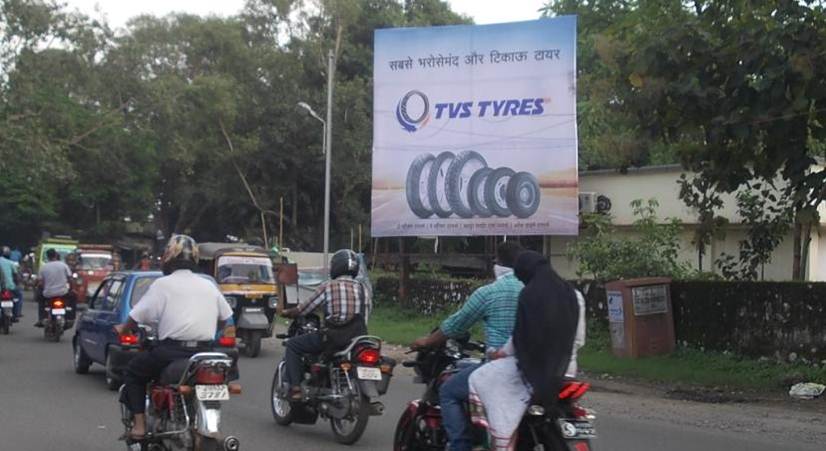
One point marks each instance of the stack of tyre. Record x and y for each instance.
(464, 185)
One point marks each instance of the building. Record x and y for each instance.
(660, 183)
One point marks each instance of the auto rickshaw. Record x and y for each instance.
(245, 276)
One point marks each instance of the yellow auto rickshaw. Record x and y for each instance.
(245, 276)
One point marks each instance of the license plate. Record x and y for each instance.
(368, 374)
(58, 311)
(7, 304)
(212, 392)
(577, 429)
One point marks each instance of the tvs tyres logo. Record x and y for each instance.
(413, 110)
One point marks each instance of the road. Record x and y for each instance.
(45, 406)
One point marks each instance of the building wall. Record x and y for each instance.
(661, 183)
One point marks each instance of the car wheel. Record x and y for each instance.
(496, 191)
(523, 195)
(457, 188)
(416, 186)
(436, 184)
(112, 381)
(81, 361)
(477, 193)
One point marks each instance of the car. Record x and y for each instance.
(95, 340)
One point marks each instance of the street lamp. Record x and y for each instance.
(326, 145)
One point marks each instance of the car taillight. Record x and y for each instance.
(58, 303)
(209, 375)
(369, 356)
(128, 339)
(573, 390)
(226, 342)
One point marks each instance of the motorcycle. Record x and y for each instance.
(7, 301)
(55, 321)
(569, 427)
(184, 405)
(343, 387)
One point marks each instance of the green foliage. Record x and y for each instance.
(768, 218)
(652, 250)
(701, 194)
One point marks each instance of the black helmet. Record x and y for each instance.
(344, 263)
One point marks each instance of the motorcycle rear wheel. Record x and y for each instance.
(5, 324)
(281, 409)
(348, 431)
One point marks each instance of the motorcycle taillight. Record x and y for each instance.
(573, 390)
(209, 375)
(6, 295)
(58, 303)
(368, 356)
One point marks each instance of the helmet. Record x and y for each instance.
(344, 263)
(181, 253)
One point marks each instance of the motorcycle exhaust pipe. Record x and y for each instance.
(376, 408)
(231, 444)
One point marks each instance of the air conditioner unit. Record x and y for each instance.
(587, 203)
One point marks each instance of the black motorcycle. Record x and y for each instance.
(343, 387)
(569, 427)
(55, 322)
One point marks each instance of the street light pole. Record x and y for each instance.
(331, 66)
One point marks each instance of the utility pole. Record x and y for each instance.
(331, 66)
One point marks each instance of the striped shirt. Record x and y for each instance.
(341, 299)
(495, 304)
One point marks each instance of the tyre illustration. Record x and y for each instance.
(523, 194)
(477, 193)
(436, 184)
(496, 191)
(416, 186)
(457, 188)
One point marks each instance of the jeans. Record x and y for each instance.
(453, 396)
(148, 366)
(18, 306)
(297, 347)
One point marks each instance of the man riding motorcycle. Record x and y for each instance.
(496, 305)
(54, 280)
(346, 305)
(10, 274)
(188, 310)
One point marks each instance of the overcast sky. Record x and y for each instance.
(119, 11)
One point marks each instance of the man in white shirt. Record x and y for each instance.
(188, 310)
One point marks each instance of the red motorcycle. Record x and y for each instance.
(568, 428)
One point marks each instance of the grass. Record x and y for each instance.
(695, 367)
(686, 366)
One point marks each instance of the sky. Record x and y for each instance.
(119, 12)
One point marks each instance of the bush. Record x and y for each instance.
(653, 252)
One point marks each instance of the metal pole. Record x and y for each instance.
(281, 222)
(331, 64)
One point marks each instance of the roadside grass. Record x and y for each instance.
(695, 367)
(685, 367)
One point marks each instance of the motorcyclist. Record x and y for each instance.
(10, 273)
(346, 305)
(54, 280)
(188, 310)
(496, 305)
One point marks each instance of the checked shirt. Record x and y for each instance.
(341, 299)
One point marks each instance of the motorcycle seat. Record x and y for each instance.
(172, 373)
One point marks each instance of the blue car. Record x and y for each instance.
(95, 340)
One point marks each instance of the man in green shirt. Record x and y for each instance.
(495, 305)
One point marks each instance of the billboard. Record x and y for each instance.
(474, 130)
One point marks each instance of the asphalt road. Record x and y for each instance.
(45, 406)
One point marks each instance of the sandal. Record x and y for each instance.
(296, 394)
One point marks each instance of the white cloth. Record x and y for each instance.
(185, 307)
(501, 271)
(499, 394)
(55, 276)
